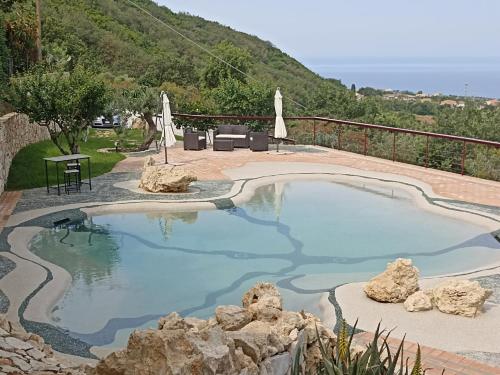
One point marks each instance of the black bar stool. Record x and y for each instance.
(69, 174)
(75, 165)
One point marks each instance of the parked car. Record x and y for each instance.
(103, 122)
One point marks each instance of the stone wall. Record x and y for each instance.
(16, 132)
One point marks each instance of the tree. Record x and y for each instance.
(144, 101)
(217, 71)
(167, 68)
(4, 54)
(66, 103)
(20, 26)
(339, 102)
(6, 5)
(237, 98)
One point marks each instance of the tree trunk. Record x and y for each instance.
(75, 148)
(150, 136)
(54, 136)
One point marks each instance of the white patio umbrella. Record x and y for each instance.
(279, 126)
(168, 137)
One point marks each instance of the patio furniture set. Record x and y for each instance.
(227, 138)
(72, 174)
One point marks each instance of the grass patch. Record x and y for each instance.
(28, 170)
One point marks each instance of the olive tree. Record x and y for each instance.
(143, 101)
(65, 102)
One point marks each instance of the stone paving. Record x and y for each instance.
(8, 201)
(104, 190)
(435, 360)
(209, 165)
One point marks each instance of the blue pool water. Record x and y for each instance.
(129, 269)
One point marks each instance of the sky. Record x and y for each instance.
(319, 30)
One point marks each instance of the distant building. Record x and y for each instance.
(426, 100)
(493, 102)
(449, 103)
(461, 104)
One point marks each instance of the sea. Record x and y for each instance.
(478, 77)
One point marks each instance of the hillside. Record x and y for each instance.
(120, 38)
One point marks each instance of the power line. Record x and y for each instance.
(204, 49)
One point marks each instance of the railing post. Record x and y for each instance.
(314, 132)
(464, 152)
(427, 152)
(393, 146)
(366, 141)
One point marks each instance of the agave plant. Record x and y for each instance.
(377, 359)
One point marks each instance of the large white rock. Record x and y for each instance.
(227, 344)
(165, 179)
(460, 297)
(418, 301)
(395, 284)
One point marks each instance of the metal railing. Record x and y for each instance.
(476, 157)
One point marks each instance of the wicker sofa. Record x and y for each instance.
(239, 134)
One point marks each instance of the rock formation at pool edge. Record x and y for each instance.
(259, 338)
(26, 353)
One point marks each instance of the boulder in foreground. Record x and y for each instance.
(165, 178)
(239, 340)
(395, 284)
(460, 297)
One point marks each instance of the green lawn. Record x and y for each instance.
(28, 170)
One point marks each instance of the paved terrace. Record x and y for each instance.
(209, 165)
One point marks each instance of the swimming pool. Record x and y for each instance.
(128, 269)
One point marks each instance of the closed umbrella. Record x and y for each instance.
(168, 131)
(279, 127)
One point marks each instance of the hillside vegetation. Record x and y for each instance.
(116, 36)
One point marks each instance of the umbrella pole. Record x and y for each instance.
(278, 145)
(165, 146)
(164, 136)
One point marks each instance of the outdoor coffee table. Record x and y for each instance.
(223, 145)
(65, 159)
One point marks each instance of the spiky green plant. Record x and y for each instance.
(377, 359)
(417, 367)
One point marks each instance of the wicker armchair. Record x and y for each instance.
(259, 141)
(194, 140)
